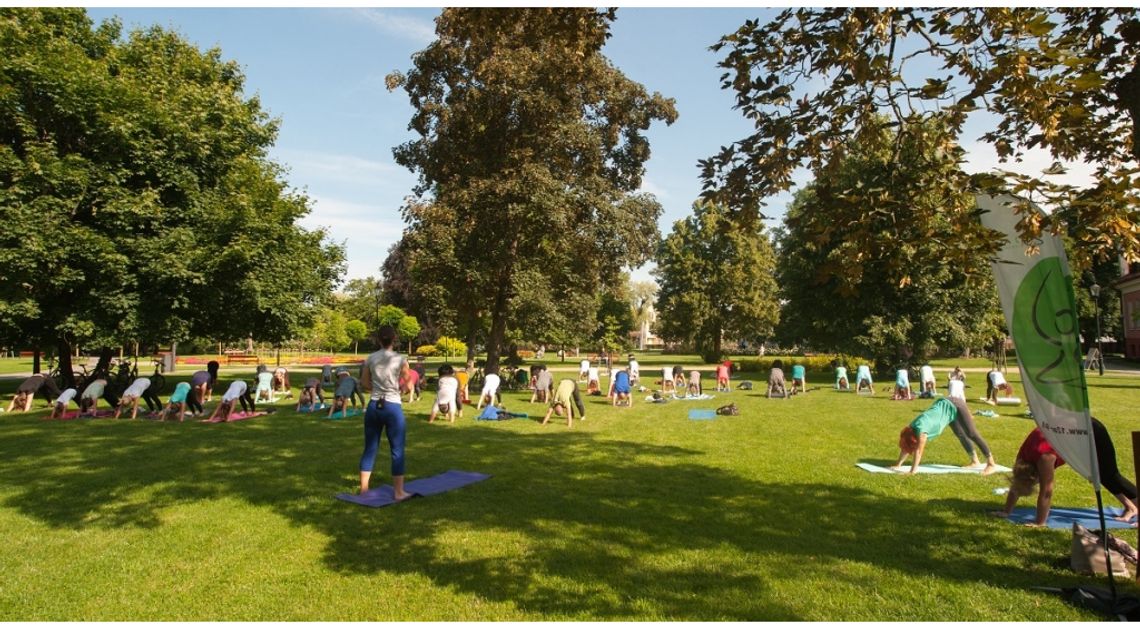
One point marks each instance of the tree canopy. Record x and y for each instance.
(875, 280)
(531, 148)
(1065, 80)
(716, 279)
(137, 198)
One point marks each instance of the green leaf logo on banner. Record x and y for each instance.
(1045, 332)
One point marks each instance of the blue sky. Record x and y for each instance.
(321, 72)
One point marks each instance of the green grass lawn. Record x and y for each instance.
(634, 514)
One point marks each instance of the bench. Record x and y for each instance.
(242, 358)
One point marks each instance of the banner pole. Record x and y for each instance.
(1107, 553)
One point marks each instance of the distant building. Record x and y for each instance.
(1129, 287)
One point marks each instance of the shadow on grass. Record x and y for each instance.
(589, 527)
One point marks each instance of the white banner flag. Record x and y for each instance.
(1041, 311)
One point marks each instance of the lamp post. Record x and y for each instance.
(377, 290)
(1094, 290)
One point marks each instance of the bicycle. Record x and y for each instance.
(56, 375)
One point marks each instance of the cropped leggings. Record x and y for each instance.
(964, 428)
(383, 416)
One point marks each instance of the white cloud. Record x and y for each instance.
(411, 28)
(340, 167)
(367, 231)
(649, 187)
(981, 157)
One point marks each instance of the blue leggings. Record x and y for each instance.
(378, 416)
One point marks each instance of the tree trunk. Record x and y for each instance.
(103, 366)
(66, 372)
(498, 333)
(471, 335)
(36, 360)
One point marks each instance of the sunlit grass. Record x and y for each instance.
(634, 514)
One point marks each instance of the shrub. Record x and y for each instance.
(451, 347)
(426, 350)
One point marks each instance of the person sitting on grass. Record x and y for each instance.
(863, 379)
(26, 392)
(841, 382)
(995, 381)
(776, 382)
(926, 380)
(237, 392)
(565, 395)
(799, 378)
(89, 400)
(543, 386)
(281, 381)
(446, 396)
(60, 406)
(490, 394)
(346, 391)
(620, 388)
(176, 405)
(1035, 466)
(722, 373)
(310, 394)
(132, 395)
(902, 385)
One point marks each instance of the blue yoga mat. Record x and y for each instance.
(319, 406)
(702, 415)
(424, 487)
(344, 414)
(1063, 518)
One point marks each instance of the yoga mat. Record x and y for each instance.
(1063, 518)
(1009, 401)
(237, 416)
(702, 415)
(74, 414)
(319, 406)
(425, 487)
(927, 468)
(344, 414)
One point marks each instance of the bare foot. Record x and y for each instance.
(1127, 516)
(405, 495)
(990, 468)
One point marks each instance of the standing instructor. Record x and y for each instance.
(383, 371)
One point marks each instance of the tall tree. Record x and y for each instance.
(716, 279)
(137, 198)
(881, 286)
(534, 145)
(1066, 80)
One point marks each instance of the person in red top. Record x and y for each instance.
(722, 372)
(1035, 463)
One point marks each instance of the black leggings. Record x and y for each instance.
(193, 402)
(150, 396)
(964, 428)
(1110, 476)
(247, 398)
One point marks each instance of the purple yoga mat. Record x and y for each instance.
(424, 487)
(237, 416)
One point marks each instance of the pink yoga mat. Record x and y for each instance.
(237, 416)
(74, 414)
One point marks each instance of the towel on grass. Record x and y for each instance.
(702, 415)
(928, 468)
